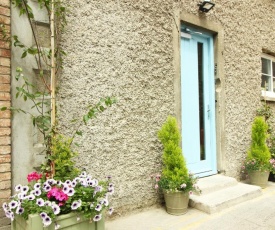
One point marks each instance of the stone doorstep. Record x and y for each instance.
(215, 183)
(224, 198)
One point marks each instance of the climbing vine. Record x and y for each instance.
(48, 60)
(266, 112)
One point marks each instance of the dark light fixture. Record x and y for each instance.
(206, 5)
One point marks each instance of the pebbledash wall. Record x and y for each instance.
(130, 49)
(5, 119)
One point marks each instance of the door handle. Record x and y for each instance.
(208, 111)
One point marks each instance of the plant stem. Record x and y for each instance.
(52, 68)
(52, 79)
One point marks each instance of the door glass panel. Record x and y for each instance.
(201, 104)
(266, 68)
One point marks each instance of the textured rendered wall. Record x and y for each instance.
(119, 48)
(5, 121)
(124, 48)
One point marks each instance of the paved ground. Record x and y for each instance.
(256, 214)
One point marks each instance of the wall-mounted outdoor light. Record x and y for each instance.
(206, 5)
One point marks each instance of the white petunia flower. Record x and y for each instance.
(59, 183)
(18, 188)
(70, 192)
(37, 192)
(65, 189)
(31, 197)
(74, 183)
(19, 210)
(5, 206)
(10, 215)
(68, 182)
(51, 181)
(83, 182)
(110, 211)
(13, 204)
(37, 186)
(47, 221)
(83, 175)
(106, 202)
(43, 215)
(47, 188)
(48, 203)
(98, 207)
(24, 189)
(111, 191)
(76, 204)
(40, 202)
(96, 182)
(22, 196)
(97, 217)
(56, 209)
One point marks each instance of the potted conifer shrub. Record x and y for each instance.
(266, 112)
(258, 163)
(175, 180)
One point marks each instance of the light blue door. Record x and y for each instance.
(198, 102)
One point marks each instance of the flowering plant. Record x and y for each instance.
(251, 165)
(50, 198)
(189, 184)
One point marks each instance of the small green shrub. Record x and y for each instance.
(174, 174)
(258, 156)
(61, 159)
(258, 149)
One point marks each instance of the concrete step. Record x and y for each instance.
(215, 183)
(211, 200)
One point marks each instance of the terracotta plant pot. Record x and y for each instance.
(258, 178)
(176, 202)
(67, 221)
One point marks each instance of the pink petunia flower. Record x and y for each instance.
(58, 194)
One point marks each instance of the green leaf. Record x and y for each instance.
(79, 133)
(3, 108)
(101, 108)
(85, 118)
(32, 51)
(24, 54)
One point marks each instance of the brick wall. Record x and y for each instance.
(5, 118)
